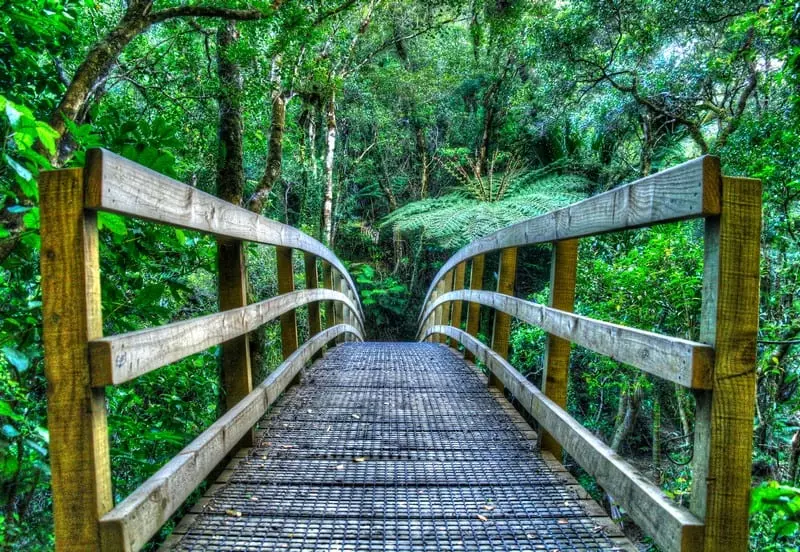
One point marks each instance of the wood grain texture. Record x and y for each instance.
(563, 273)
(506, 275)
(458, 283)
(682, 361)
(237, 376)
(76, 413)
(137, 518)
(689, 190)
(121, 186)
(312, 282)
(289, 341)
(729, 323)
(672, 527)
(327, 283)
(474, 309)
(121, 358)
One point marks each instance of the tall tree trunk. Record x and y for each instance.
(422, 152)
(327, 203)
(274, 163)
(92, 73)
(486, 138)
(230, 160)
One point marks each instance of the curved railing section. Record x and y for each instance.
(80, 362)
(719, 369)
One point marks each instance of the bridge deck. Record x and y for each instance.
(401, 447)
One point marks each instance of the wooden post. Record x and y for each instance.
(563, 271)
(327, 283)
(501, 329)
(338, 308)
(286, 285)
(445, 309)
(724, 418)
(458, 283)
(474, 309)
(76, 412)
(312, 282)
(237, 374)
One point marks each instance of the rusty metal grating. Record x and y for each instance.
(394, 447)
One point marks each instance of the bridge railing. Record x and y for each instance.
(720, 369)
(80, 362)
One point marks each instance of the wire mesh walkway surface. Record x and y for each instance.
(395, 446)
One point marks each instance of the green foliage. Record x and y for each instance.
(383, 297)
(455, 219)
(775, 517)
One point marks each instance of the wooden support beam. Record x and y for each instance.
(327, 283)
(237, 374)
(687, 363)
(563, 273)
(76, 412)
(673, 528)
(136, 519)
(120, 358)
(443, 311)
(501, 328)
(724, 417)
(686, 191)
(338, 310)
(312, 282)
(458, 283)
(474, 309)
(286, 285)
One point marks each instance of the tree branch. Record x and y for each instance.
(205, 11)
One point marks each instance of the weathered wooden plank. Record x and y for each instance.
(312, 282)
(121, 186)
(724, 418)
(563, 273)
(137, 518)
(501, 325)
(237, 377)
(689, 190)
(286, 285)
(327, 283)
(76, 413)
(474, 312)
(121, 358)
(458, 283)
(685, 362)
(672, 527)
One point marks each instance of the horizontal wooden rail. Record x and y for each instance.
(683, 192)
(124, 357)
(137, 518)
(118, 185)
(672, 527)
(687, 363)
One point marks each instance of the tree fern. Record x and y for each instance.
(455, 219)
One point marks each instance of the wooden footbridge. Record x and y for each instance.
(396, 446)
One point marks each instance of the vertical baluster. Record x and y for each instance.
(327, 283)
(501, 329)
(563, 271)
(458, 283)
(312, 282)
(76, 412)
(237, 370)
(474, 309)
(286, 285)
(724, 418)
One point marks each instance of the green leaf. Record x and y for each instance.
(48, 136)
(18, 359)
(113, 223)
(9, 431)
(149, 295)
(13, 115)
(4, 233)
(6, 410)
(31, 219)
(21, 171)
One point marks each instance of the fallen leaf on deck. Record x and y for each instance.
(359, 459)
(233, 513)
(488, 507)
(482, 518)
(340, 467)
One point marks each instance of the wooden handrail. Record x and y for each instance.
(720, 369)
(117, 185)
(687, 363)
(687, 191)
(80, 362)
(671, 526)
(120, 358)
(137, 518)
